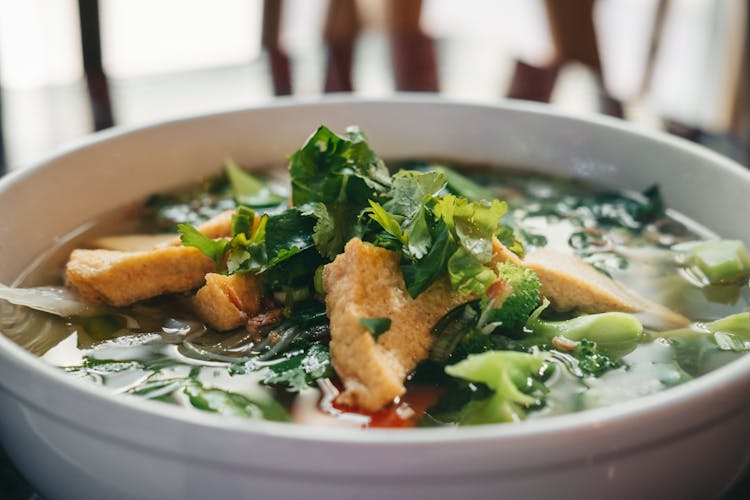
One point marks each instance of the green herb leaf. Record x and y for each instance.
(474, 224)
(420, 274)
(468, 275)
(248, 190)
(330, 168)
(387, 221)
(376, 326)
(302, 369)
(233, 404)
(191, 237)
(243, 220)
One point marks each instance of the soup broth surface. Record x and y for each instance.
(159, 350)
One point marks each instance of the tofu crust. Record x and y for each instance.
(570, 283)
(226, 302)
(123, 278)
(366, 282)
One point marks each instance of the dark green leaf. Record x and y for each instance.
(233, 404)
(419, 275)
(191, 237)
(330, 168)
(302, 369)
(376, 326)
(288, 233)
(103, 326)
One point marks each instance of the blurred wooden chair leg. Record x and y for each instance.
(412, 52)
(281, 74)
(96, 79)
(532, 83)
(574, 37)
(3, 158)
(340, 33)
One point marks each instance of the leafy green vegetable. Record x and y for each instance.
(420, 274)
(376, 326)
(342, 174)
(515, 378)
(233, 404)
(191, 237)
(248, 190)
(103, 326)
(468, 275)
(329, 167)
(473, 224)
(300, 369)
(243, 220)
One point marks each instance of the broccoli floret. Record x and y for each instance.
(515, 378)
(590, 360)
(731, 333)
(516, 293)
(616, 334)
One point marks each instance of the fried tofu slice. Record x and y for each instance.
(131, 242)
(123, 278)
(366, 282)
(226, 302)
(219, 226)
(501, 253)
(570, 283)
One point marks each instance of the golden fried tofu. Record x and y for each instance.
(122, 278)
(226, 302)
(570, 283)
(501, 253)
(219, 226)
(366, 282)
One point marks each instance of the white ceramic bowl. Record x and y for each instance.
(75, 441)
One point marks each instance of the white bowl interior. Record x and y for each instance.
(42, 203)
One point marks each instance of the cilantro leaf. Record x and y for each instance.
(340, 175)
(330, 168)
(388, 222)
(336, 224)
(420, 274)
(376, 326)
(191, 237)
(468, 275)
(473, 223)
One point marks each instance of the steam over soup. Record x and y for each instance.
(351, 293)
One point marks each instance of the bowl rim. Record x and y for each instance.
(644, 406)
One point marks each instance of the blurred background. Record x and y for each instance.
(72, 67)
